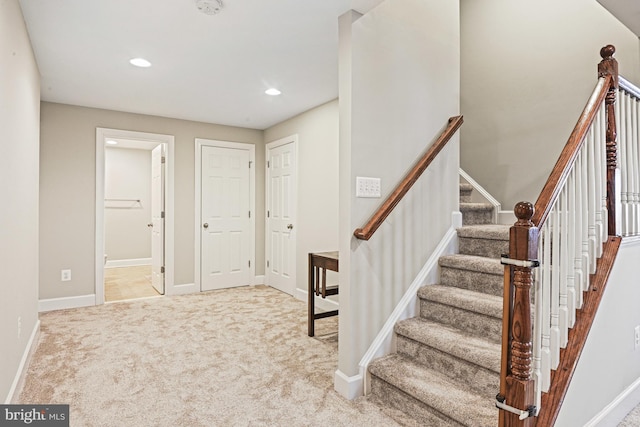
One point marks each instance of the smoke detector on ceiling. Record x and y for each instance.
(210, 7)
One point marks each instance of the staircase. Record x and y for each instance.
(446, 368)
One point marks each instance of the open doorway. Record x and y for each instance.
(134, 215)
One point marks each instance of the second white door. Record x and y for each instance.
(226, 218)
(157, 218)
(281, 215)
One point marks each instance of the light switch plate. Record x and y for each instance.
(367, 187)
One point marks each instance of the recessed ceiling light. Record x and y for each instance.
(140, 62)
(111, 142)
(273, 91)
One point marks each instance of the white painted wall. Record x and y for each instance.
(67, 193)
(317, 211)
(528, 69)
(19, 159)
(609, 364)
(127, 176)
(399, 84)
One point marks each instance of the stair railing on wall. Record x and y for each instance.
(407, 182)
(558, 249)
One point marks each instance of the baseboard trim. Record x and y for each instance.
(66, 302)
(614, 412)
(506, 217)
(183, 289)
(324, 304)
(409, 306)
(258, 280)
(18, 381)
(127, 262)
(348, 387)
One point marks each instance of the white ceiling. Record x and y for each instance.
(209, 68)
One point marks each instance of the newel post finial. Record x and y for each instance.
(524, 212)
(609, 67)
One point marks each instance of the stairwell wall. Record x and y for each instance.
(19, 159)
(399, 84)
(527, 70)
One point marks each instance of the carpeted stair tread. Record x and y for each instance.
(444, 395)
(472, 206)
(452, 341)
(485, 231)
(472, 263)
(465, 186)
(477, 302)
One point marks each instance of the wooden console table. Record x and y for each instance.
(319, 263)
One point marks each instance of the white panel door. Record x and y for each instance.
(281, 208)
(226, 225)
(157, 218)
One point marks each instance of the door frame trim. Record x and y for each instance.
(202, 142)
(102, 134)
(267, 253)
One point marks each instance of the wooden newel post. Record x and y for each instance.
(523, 246)
(609, 67)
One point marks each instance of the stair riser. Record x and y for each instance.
(483, 247)
(476, 377)
(472, 280)
(478, 324)
(422, 413)
(465, 196)
(474, 217)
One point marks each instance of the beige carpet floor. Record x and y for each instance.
(237, 357)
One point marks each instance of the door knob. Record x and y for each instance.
(290, 226)
(205, 225)
(150, 225)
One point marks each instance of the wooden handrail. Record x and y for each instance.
(605, 89)
(560, 172)
(386, 208)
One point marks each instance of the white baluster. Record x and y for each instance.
(599, 181)
(633, 137)
(625, 166)
(537, 329)
(579, 271)
(586, 265)
(591, 199)
(602, 144)
(554, 301)
(571, 253)
(563, 314)
(545, 352)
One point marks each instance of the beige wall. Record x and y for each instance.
(19, 125)
(67, 194)
(527, 70)
(127, 176)
(399, 83)
(317, 211)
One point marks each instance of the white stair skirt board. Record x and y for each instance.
(485, 194)
(346, 386)
(18, 381)
(408, 307)
(113, 263)
(66, 302)
(617, 410)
